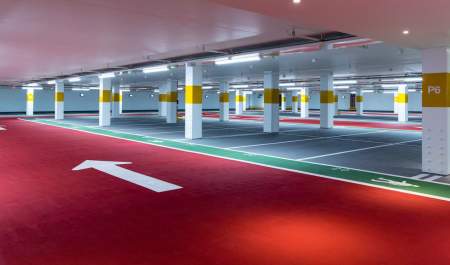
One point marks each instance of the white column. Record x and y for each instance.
(193, 101)
(271, 102)
(327, 100)
(30, 101)
(120, 102)
(104, 118)
(395, 103)
(171, 101)
(59, 100)
(436, 111)
(359, 102)
(224, 102)
(239, 102)
(162, 101)
(295, 100)
(402, 103)
(115, 104)
(283, 101)
(244, 103)
(304, 103)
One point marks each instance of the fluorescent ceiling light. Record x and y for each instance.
(341, 87)
(231, 90)
(156, 69)
(412, 90)
(413, 79)
(75, 79)
(258, 89)
(392, 85)
(239, 86)
(80, 89)
(51, 82)
(294, 88)
(345, 82)
(287, 84)
(94, 88)
(125, 90)
(238, 59)
(156, 90)
(368, 91)
(207, 87)
(32, 85)
(180, 88)
(107, 75)
(389, 92)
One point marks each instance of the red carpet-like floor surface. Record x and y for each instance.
(227, 213)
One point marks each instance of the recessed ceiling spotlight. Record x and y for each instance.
(296, 1)
(405, 32)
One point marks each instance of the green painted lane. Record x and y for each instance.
(430, 189)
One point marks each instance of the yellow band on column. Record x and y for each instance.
(336, 98)
(402, 98)
(359, 98)
(327, 97)
(294, 99)
(105, 96)
(59, 96)
(172, 96)
(162, 97)
(120, 97)
(435, 90)
(271, 95)
(304, 98)
(224, 97)
(283, 99)
(193, 95)
(239, 98)
(116, 97)
(30, 97)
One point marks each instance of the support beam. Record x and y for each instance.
(171, 101)
(193, 101)
(59, 100)
(239, 102)
(271, 102)
(304, 103)
(104, 101)
(359, 102)
(436, 111)
(402, 103)
(115, 105)
(30, 101)
(327, 100)
(224, 102)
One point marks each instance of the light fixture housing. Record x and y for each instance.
(74, 79)
(156, 69)
(238, 59)
(51, 82)
(286, 84)
(239, 86)
(345, 82)
(107, 75)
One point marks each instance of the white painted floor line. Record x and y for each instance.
(420, 176)
(304, 140)
(357, 150)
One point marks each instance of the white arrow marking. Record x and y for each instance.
(394, 183)
(112, 168)
(2, 129)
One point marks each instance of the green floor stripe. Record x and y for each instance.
(431, 189)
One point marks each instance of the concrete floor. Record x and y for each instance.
(386, 151)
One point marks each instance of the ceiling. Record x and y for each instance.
(48, 38)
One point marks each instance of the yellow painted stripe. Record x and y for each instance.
(224, 97)
(402, 98)
(162, 97)
(116, 97)
(105, 96)
(336, 98)
(172, 96)
(396, 99)
(239, 98)
(304, 99)
(435, 90)
(193, 95)
(294, 98)
(327, 97)
(271, 96)
(120, 97)
(30, 97)
(59, 96)
(359, 98)
(283, 99)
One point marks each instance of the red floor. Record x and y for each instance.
(227, 212)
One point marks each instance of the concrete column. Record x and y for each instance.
(395, 103)
(436, 111)
(304, 103)
(239, 102)
(171, 101)
(193, 101)
(120, 102)
(115, 104)
(59, 100)
(402, 103)
(162, 102)
(283, 101)
(336, 104)
(271, 102)
(30, 101)
(104, 100)
(295, 97)
(224, 102)
(359, 102)
(245, 102)
(327, 100)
